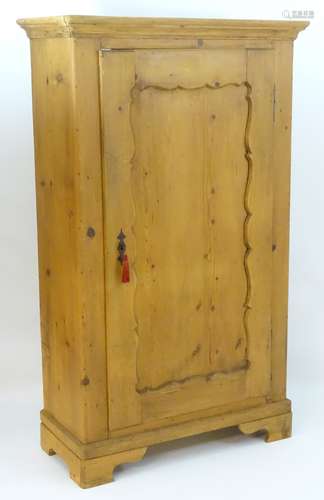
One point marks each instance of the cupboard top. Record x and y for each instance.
(126, 27)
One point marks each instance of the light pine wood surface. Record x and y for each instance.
(198, 231)
(177, 132)
(123, 27)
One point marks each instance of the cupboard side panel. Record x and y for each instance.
(70, 256)
(87, 140)
(281, 207)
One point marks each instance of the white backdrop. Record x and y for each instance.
(199, 466)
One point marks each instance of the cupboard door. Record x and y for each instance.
(187, 176)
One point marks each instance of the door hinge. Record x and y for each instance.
(116, 50)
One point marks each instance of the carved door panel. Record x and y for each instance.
(187, 176)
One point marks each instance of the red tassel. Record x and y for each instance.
(125, 270)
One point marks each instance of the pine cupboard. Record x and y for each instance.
(162, 151)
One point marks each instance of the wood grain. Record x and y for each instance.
(70, 244)
(123, 27)
(274, 428)
(260, 77)
(281, 206)
(87, 472)
(121, 366)
(199, 249)
(204, 209)
(143, 438)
